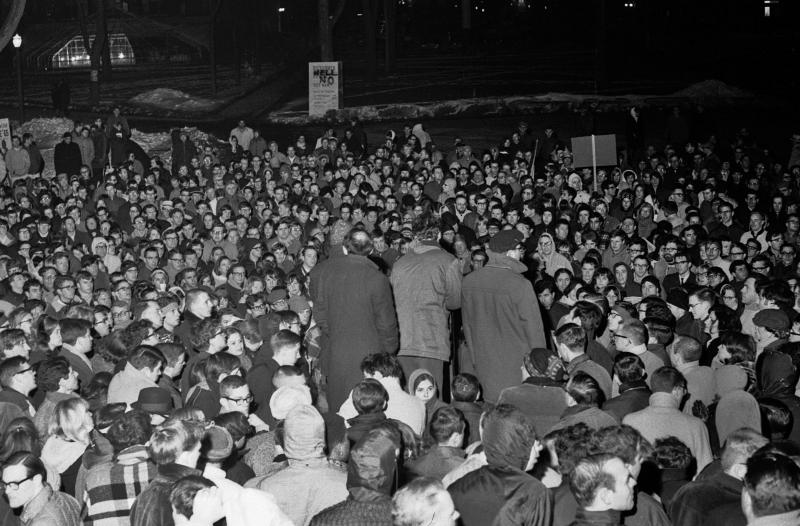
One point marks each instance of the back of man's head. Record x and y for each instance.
(465, 388)
(622, 441)
(629, 368)
(573, 337)
(635, 330)
(666, 379)
(284, 339)
(508, 436)
(687, 348)
(172, 438)
(739, 446)
(590, 477)
(771, 485)
(130, 429)
(369, 396)
(446, 422)
(585, 390)
(358, 242)
(384, 363)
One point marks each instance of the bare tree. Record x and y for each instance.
(11, 22)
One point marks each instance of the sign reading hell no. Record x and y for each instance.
(324, 87)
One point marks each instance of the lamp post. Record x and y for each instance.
(281, 10)
(16, 40)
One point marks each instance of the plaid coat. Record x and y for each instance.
(112, 487)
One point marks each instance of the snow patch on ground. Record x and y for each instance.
(172, 99)
(47, 132)
(709, 92)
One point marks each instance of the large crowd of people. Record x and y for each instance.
(332, 332)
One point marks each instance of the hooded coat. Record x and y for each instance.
(371, 475)
(777, 378)
(502, 493)
(502, 322)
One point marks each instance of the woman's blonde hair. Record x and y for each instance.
(69, 420)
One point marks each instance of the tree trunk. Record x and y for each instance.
(212, 48)
(11, 22)
(370, 12)
(94, 49)
(325, 33)
(390, 14)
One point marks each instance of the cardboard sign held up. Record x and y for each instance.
(594, 150)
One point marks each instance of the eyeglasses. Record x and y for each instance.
(760, 268)
(247, 399)
(15, 484)
(67, 287)
(737, 253)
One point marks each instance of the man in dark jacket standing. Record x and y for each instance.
(502, 492)
(67, 156)
(502, 321)
(426, 283)
(353, 307)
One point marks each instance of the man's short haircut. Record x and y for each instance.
(172, 438)
(629, 368)
(358, 242)
(130, 429)
(777, 419)
(543, 285)
(688, 348)
(416, 503)
(284, 373)
(670, 453)
(33, 466)
(369, 396)
(50, 372)
(146, 356)
(589, 476)
(665, 379)
(171, 352)
(445, 422)
(772, 483)
(507, 432)
(11, 337)
(573, 336)
(740, 445)
(621, 441)
(72, 329)
(230, 383)
(11, 367)
(284, 339)
(465, 388)
(585, 389)
(193, 296)
(184, 491)
(385, 363)
(636, 331)
(660, 328)
(591, 315)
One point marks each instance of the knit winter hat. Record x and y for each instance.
(286, 398)
(303, 433)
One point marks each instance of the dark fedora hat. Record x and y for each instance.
(154, 400)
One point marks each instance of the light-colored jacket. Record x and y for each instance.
(426, 284)
(126, 384)
(51, 508)
(304, 488)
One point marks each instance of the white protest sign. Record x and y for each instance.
(324, 87)
(5, 133)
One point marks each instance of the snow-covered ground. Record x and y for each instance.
(174, 100)
(48, 131)
(709, 92)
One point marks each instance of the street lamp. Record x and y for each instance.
(16, 41)
(281, 10)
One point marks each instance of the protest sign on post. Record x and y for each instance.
(5, 133)
(594, 151)
(324, 87)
